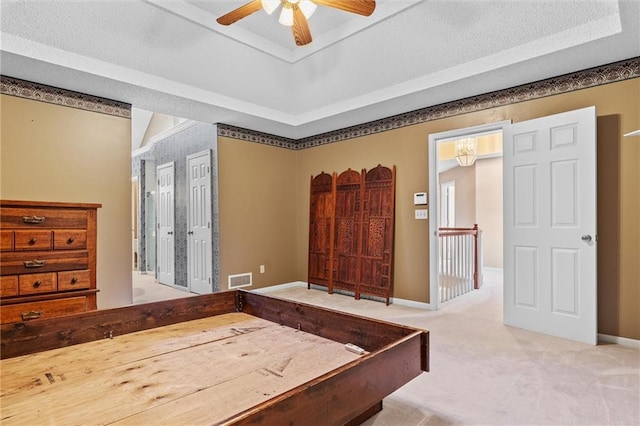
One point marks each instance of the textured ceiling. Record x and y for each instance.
(172, 57)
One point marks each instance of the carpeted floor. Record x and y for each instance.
(146, 289)
(484, 373)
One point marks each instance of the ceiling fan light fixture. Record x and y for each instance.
(286, 16)
(307, 7)
(270, 6)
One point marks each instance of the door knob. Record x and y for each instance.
(190, 233)
(586, 238)
(169, 233)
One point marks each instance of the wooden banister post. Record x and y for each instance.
(476, 283)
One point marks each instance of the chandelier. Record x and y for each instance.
(466, 151)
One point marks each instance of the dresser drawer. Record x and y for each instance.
(9, 286)
(66, 239)
(17, 217)
(32, 239)
(31, 262)
(37, 283)
(44, 309)
(6, 240)
(74, 280)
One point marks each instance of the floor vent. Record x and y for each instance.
(240, 280)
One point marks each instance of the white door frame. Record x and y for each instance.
(434, 194)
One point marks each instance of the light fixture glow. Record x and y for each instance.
(466, 151)
(270, 6)
(286, 16)
(307, 7)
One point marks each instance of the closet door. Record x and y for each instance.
(320, 226)
(346, 231)
(378, 211)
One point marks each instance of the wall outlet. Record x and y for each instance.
(262, 269)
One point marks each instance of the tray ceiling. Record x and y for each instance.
(172, 57)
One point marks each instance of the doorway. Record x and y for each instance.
(465, 189)
(549, 222)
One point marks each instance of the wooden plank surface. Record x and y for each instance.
(40, 335)
(196, 372)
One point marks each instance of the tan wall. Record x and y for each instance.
(465, 183)
(618, 109)
(264, 191)
(257, 211)
(56, 153)
(489, 209)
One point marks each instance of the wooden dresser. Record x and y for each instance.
(47, 259)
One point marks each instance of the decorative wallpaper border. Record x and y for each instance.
(254, 136)
(618, 71)
(39, 92)
(605, 74)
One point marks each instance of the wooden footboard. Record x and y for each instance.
(350, 390)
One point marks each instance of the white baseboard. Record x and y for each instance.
(279, 287)
(392, 300)
(411, 304)
(622, 341)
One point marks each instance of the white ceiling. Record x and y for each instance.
(172, 57)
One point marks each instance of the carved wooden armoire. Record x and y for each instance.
(351, 231)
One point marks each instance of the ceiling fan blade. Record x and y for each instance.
(239, 13)
(361, 7)
(300, 27)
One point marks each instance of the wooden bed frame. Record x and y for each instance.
(347, 394)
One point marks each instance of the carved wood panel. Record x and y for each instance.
(351, 231)
(378, 218)
(346, 230)
(320, 229)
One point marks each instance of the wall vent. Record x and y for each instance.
(240, 280)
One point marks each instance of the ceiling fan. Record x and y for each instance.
(295, 13)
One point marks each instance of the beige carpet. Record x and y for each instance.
(484, 373)
(146, 289)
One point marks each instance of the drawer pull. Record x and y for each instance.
(74, 280)
(70, 240)
(37, 284)
(33, 219)
(32, 241)
(26, 316)
(34, 263)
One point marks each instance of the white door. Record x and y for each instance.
(166, 224)
(199, 237)
(550, 225)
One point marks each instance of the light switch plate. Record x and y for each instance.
(422, 214)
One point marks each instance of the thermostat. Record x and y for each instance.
(420, 198)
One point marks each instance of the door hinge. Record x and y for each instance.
(209, 280)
